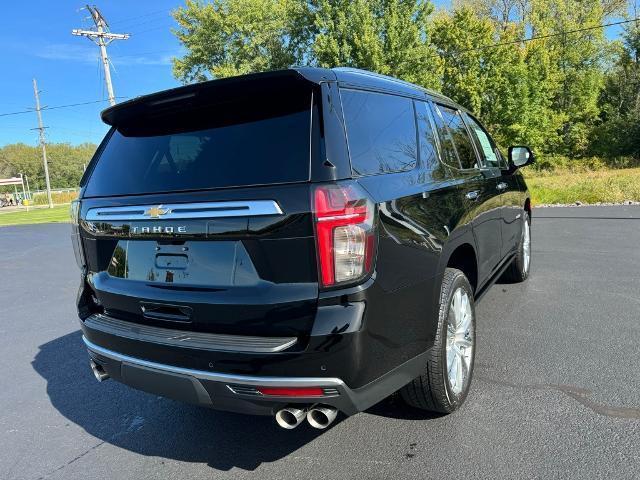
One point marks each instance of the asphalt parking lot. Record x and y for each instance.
(555, 392)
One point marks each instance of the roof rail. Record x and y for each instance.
(360, 71)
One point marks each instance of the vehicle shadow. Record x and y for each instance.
(151, 425)
(394, 407)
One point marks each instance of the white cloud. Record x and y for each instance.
(90, 54)
(68, 51)
(141, 60)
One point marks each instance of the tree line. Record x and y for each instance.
(569, 92)
(66, 163)
(538, 72)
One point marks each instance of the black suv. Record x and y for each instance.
(295, 243)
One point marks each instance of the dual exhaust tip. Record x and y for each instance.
(98, 372)
(318, 417)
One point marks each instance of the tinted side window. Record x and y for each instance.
(426, 136)
(381, 132)
(448, 150)
(454, 123)
(486, 145)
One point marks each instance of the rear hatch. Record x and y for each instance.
(196, 212)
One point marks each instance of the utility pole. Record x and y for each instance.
(102, 37)
(42, 142)
(26, 179)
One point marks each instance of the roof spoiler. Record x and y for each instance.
(210, 92)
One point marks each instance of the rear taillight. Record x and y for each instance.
(345, 233)
(75, 234)
(74, 211)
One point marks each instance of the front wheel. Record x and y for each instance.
(445, 382)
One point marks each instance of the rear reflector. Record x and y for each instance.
(344, 218)
(291, 391)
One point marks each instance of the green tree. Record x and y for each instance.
(457, 37)
(233, 37)
(493, 81)
(556, 93)
(618, 133)
(384, 36)
(545, 92)
(577, 60)
(66, 163)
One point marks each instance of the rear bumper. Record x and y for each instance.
(356, 362)
(235, 393)
(226, 391)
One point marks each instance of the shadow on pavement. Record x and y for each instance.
(151, 425)
(394, 407)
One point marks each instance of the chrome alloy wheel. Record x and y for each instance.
(526, 245)
(459, 340)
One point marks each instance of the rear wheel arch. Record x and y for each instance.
(463, 257)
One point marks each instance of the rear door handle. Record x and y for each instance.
(502, 186)
(472, 195)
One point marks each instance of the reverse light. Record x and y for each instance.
(345, 233)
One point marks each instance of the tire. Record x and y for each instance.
(519, 269)
(434, 390)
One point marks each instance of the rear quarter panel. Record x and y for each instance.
(419, 219)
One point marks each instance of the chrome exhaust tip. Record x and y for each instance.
(290, 417)
(321, 417)
(98, 371)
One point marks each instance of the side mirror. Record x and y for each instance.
(520, 156)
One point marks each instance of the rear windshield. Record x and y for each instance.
(234, 144)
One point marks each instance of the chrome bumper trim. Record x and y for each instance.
(187, 339)
(217, 377)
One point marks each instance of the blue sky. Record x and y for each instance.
(36, 41)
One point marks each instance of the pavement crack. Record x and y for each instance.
(73, 460)
(134, 425)
(578, 394)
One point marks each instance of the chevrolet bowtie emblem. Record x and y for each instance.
(155, 212)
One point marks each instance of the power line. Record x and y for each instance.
(155, 28)
(523, 40)
(149, 21)
(150, 52)
(76, 104)
(540, 37)
(55, 107)
(482, 47)
(15, 113)
(500, 44)
(136, 17)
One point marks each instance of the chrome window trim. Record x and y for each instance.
(184, 211)
(218, 377)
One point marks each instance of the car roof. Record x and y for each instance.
(348, 77)
(363, 78)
